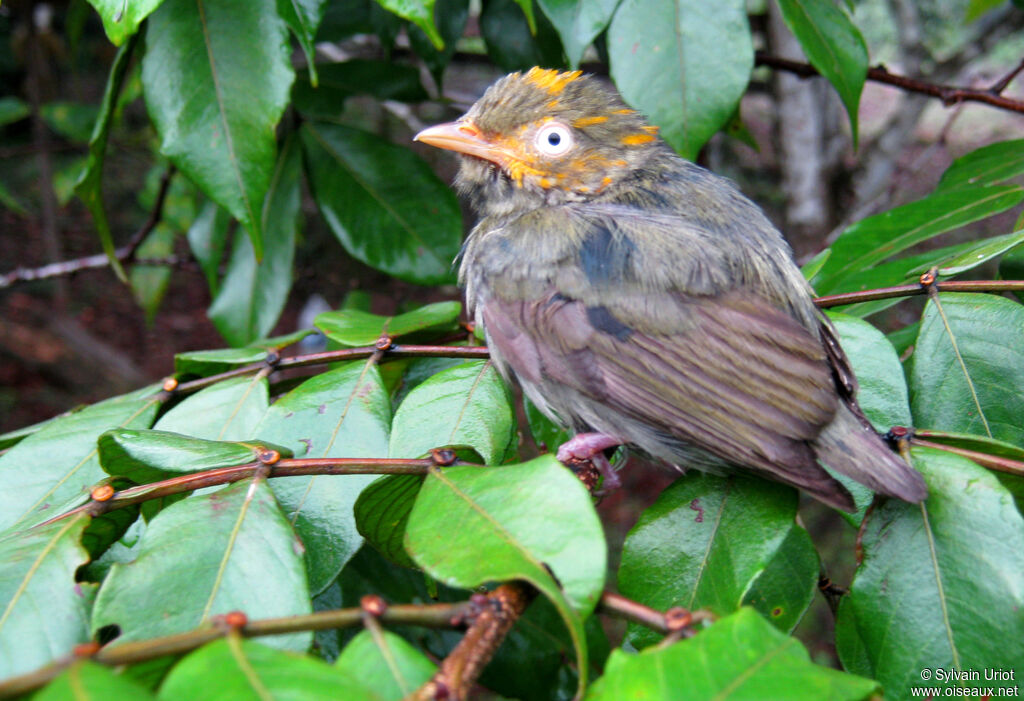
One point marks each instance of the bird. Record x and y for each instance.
(641, 300)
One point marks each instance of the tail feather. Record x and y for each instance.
(849, 445)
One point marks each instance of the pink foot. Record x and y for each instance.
(590, 447)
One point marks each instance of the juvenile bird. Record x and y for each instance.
(640, 299)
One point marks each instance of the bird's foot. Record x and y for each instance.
(589, 447)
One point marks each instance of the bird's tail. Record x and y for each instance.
(849, 445)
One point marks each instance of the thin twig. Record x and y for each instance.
(909, 290)
(949, 95)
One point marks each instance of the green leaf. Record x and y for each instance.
(940, 585)
(207, 237)
(467, 406)
(720, 544)
(17, 435)
(149, 456)
(217, 78)
(977, 8)
(407, 226)
(87, 680)
(238, 669)
(340, 81)
(420, 13)
(833, 45)
(389, 668)
(546, 433)
(473, 525)
(59, 462)
(210, 362)
(303, 18)
(811, 267)
(253, 293)
(227, 411)
(976, 443)
(516, 39)
(739, 657)
(121, 18)
(685, 64)
(72, 120)
(970, 378)
(210, 554)
(353, 327)
(9, 201)
(876, 238)
(972, 255)
(988, 165)
(578, 23)
(43, 614)
(343, 413)
(12, 109)
(149, 282)
(90, 185)
(450, 18)
(382, 514)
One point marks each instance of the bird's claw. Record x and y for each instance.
(589, 448)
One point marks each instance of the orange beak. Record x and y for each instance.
(464, 137)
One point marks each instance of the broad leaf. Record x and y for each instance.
(343, 413)
(217, 77)
(382, 514)
(210, 362)
(303, 18)
(940, 585)
(407, 225)
(43, 611)
(253, 293)
(739, 657)
(685, 64)
(210, 554)
(84, 680)
(389, 668)
(988, 165)
(352, 327)
(467, 406)
(207, 237)
(450, 17)
(578, 23)
(516, 38)
(234, 668)
(721, 544)
(833, 45)
(59, 462)
(121, 18)
(227, 411)
(420, 13)
(969, 378)
(532, 521)
(340, 81)
(149, 282)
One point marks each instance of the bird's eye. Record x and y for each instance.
(554, 139)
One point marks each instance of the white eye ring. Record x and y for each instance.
(554, 139)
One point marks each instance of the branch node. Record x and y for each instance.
(442, 457)
(170, 384)
(927, 279)
(373, 605)
(267, 456)
(677, 618)
(85, 650)
(232, 621)
(272, 359)
(384, 343)
(103, 492)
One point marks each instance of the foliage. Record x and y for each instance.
(937, 586)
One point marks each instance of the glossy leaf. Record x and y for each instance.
(90, 185)
(516, 37)
(685, 64)
(739, 657)
(43, 611)
(253, 293)
(382, 514)
(389, 668)
(352, 327)
(721, 544)
(303, 18)
(84, 681)
(210, 362)
(973, 255)
(122, 19)
(63, 458)
(970, 378)
(833, 45)
(578, 23)
(227, 411)
(420, 13)
(248, 669)
(217, 77)
(149, 282)
(874, 239)
(207, 237)
(149, 456)
(546, 433)
(473, 525)
(17, 435)
(467, 406)
(988, 165)
(72, 120)
(940, 585)
(450, 16)
(407, 226)
(210, 554)
(342, 413)
(340, 81)
(13, 109)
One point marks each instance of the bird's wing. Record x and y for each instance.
(727, 372)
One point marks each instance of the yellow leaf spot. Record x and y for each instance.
(551, 80)
(588, 121)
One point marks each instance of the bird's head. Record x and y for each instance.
(545, 136)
